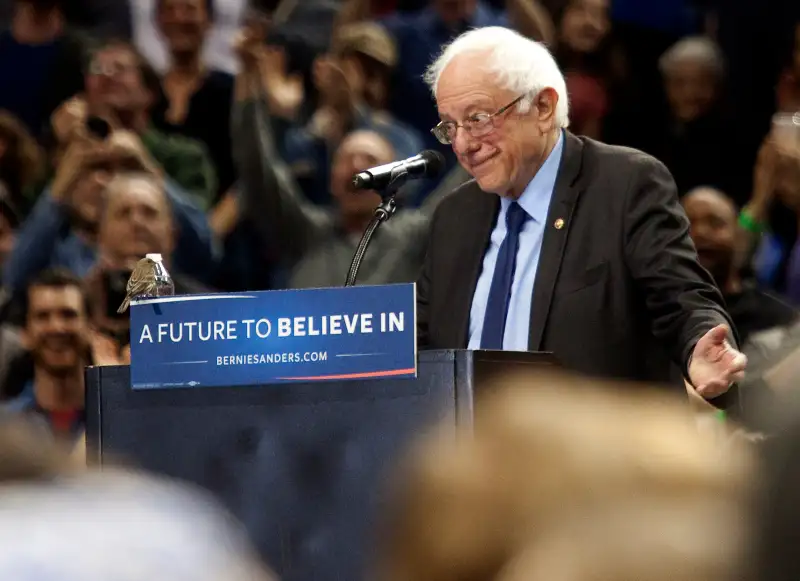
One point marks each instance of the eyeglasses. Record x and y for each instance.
(110, 68)
(477, 124)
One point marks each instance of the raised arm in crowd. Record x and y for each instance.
(316, 243)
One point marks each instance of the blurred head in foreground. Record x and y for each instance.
(564, 480)
(777, 509)
(61, 522)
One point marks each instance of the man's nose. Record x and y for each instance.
(463, 142)
(58, 324)
(699, 233)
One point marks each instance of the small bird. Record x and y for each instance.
(143, 282)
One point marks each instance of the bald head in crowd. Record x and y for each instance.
(714, 230)
(136, 220)
(358, 151)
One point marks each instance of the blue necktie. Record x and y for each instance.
(494, 321)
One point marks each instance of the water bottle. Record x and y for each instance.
(164, 285)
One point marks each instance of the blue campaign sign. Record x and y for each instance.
(256, 338)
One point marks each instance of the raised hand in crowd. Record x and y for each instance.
(333, 84)
(122, 150)
(336, 94)
(69, 120)
(264, 68)
(777, 169)
(126, 150)
(284, 89)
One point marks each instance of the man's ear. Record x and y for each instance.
(544, 105)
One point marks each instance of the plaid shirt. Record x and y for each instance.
(186, 162)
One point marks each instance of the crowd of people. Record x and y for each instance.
(629, 488)
(224, 135)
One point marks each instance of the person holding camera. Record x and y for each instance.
(105, 132)
(62, 231)
(120, 90)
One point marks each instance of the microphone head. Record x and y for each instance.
(360, 181)
(434, 162)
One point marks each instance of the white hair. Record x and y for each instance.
(693, 48)
(519, 64)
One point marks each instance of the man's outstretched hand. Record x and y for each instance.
(715, 365)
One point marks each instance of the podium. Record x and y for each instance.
(302, 465)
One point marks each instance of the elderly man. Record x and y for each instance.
(560, 243)
(135, 220)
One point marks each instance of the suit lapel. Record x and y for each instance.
(478, 221)
(556, 231)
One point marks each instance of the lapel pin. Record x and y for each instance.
(559, 223)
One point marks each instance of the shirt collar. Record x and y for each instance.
(535, 199)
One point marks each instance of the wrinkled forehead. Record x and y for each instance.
(466, 86)
(135, 192)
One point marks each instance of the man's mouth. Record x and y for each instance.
(58, 344)
(481, 163)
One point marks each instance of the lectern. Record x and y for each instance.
(300, 464)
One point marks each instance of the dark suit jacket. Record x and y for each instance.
(618, 292)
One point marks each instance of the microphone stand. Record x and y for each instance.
(382, 213)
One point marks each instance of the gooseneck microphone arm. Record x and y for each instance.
(382, 213)
(388, 179)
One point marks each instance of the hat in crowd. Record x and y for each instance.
(367, 38)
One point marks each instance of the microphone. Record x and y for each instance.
(427, 164)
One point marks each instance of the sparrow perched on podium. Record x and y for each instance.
(142, 282)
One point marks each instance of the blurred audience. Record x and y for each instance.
(121, 89)
(135, 221)
(353, 87)
(694, 136)
(225, 18)
(590, 63)
(715, 232)
(58, 337)
(627, 483)
(137, 525)
(41, 60)
(9, 223)
(21, 162)
(62, 229)
(776, 508)
(194, 97)
(317, 244)
(770, 218)
(788, 90)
